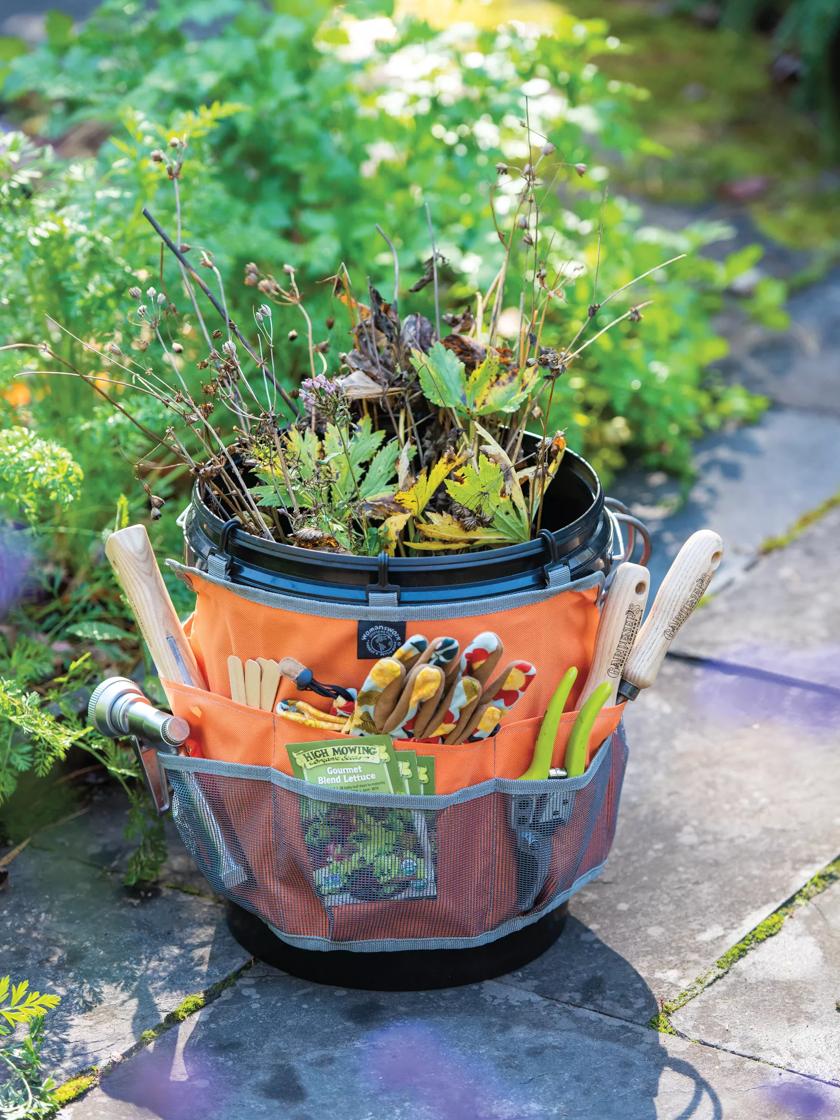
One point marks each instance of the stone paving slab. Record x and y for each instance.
(274, 1046)
(783, 615)
(781, 1001)
(752, 484)
(97, 836)
(716, 829)
(119, 964)
(800, 367)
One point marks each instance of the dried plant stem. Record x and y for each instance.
(284, 469)
(396, 259)
(206, 291)
(434, 267)
(609, 326)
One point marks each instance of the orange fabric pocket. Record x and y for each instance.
(553, 632)
(220, 728)
(226, 731)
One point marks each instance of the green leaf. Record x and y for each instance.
(500, 456)
(481, 486)
(511, 523)
(442, 377)
(10, 48)
(20, 1005)
(97, 632)
(493, 388)
(380, 474)
(347, 452)
(59, 29)
(304, 449)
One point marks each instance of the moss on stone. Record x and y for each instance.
(188, 1007)
(773, 544)
(74, 1088)
(768, 927)
(662, 1023)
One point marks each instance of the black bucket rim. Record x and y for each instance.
(582, 545)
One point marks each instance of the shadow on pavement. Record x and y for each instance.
(276, 1046)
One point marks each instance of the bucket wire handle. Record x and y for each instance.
(623, 515)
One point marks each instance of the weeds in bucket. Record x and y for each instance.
(427, 433)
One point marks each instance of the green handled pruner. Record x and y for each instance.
(577, 748)
(544, 747)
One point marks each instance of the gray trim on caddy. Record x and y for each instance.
(380, 612)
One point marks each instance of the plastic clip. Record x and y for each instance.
(383, 593)
(219, 559)
(556, 573)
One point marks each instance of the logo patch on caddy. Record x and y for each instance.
(378, 639)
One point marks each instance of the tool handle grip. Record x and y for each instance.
(681, 591)
(544, 747)
(620, 621)
(130, 553)
(577, 748)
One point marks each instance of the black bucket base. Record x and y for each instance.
(411, 970)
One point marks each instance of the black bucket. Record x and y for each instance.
(580, 534)
(402, 971)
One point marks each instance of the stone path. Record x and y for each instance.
(729, 812)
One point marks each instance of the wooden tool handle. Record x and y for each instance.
(131, 556)
(620, 621)
(681, 591)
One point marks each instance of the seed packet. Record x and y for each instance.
(407, 762)
(361, 853)
(426, 773)
(367, 854)
(367, 764)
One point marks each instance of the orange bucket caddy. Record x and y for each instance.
(501, 857)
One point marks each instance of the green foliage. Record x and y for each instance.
(490, 388)
(35, 473)
(367, 133)
(25, 1093)
(38, 729)
(331, 480)
(19, 1004)
(30, 738)
(812, 28)
(145, 828)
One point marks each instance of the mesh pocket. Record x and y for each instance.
(330, 869)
